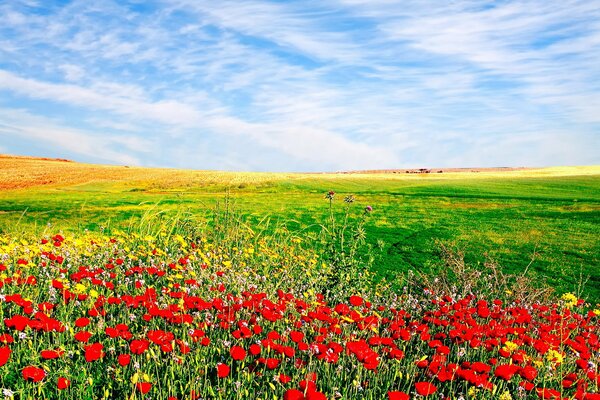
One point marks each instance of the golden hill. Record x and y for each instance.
(17, 172)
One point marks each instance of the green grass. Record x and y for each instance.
(506, 219)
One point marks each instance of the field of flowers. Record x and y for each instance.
(208, 314)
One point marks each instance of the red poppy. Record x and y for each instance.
(82, 322)
(83, 336)
(4, 355)
(527, 385)
(308, 385)
(398, 396)
(528, 372)
(111, 332)
(63, 383)
(138, 346)
(293, 394)
(284, 378)
(124, 359)
(255, 349)
(33, 374)
(315, 396)
(51, 354)
(480, 368)
(143, 387)
(6, 338)
(425, 388)
(223, 370)
(94, 352)
(296, 336)
(237, 353)
(546, 393)
(506, 371)
(356, 300)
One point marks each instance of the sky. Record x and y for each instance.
(323, 85)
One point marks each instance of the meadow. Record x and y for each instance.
(133, 283)
(543, 221)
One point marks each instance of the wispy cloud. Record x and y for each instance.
(116, 98)
(16, 123)
(306, 85)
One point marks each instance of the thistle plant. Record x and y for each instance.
(345, 243)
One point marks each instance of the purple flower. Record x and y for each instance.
(368, 209)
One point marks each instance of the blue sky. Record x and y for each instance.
(302, 85)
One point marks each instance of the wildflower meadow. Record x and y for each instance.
(168, 311)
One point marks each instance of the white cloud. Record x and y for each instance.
(297, 138)
(73, 73)
(118, 149)
(503, 41)
(122, 102)
(281, 23)
(312, 85)
(309, 144)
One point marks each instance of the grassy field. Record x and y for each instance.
(551, 215)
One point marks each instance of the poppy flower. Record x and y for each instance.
(293, 394)
(425, 388)
(528, 372)
(63, 383)
(222, 370)
(398, 396)
(308, 385)
(4, 355)
(124, 360)
(82, 322)
(480, 368)
(237, 353)
(6, 338)
(83, 336)
(255, 349)
(296, 336)
(51, 354)
(315, 396)
(33, 374)
(138, 346)
(94, 352)
(527, 385)
(111, 332)
(143, 387)
(546, 393)
(356, 300)
(506, 371)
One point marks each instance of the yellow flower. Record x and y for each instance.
(80, 288)
(505, 396)
(510, 346)
(554, 356)
(570, 299)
